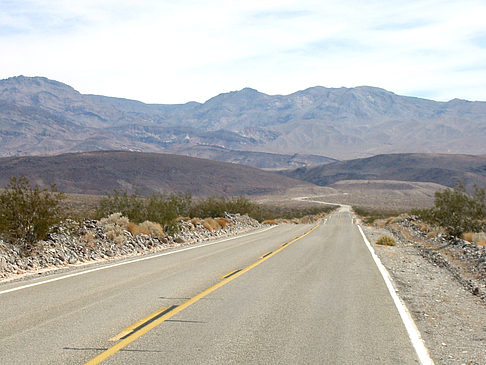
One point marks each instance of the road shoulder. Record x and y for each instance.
(451, 320)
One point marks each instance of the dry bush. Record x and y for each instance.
(115, 233)
(210, 224)
(386, 241)
(306, 220)
(479, 238)
(223, 222)
(154, 229)
(468, 236)
(270, 222)
(180, 219)
(380, 223)
(88, 237)
(114, 226)
(136, 229)
(115, 218)
(195, 221)
(424, 228)
(389, 221)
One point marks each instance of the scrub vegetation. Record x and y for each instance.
(457, 211)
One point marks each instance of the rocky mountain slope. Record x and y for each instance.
(41, 116)
(102, 172)
(444, 169)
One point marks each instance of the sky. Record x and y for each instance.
(170, 51)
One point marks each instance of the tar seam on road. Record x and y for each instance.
(129, 339)
(127, 262)
(412, 330)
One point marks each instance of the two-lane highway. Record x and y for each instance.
(290, 294)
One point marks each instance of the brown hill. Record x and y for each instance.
(444, 169)
(102, 172)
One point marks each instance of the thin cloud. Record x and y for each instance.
(166, 51)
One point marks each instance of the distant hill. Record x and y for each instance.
(42, 116)
(261, 160)
(444, 169)
(102, 172)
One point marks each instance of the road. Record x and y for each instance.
(304, 294)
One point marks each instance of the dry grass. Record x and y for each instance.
(136, 229)
(223, 222)
(154, 229)
(468, 236)
(180, 219)
(115, 219)
(270, 222)
(386, 241)
(211, 224)
(88, 237)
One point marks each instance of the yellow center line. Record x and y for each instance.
(128, 340)
(130, 328)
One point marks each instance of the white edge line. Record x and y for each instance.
(413, 332)
(129, 262)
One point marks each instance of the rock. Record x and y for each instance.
(3, 263)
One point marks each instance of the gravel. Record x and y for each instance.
(437, 288)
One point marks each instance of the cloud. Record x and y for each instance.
(167, 51)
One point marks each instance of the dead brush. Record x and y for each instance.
(479, 238)
(195, 221)
(210, 224)
(270, 222)
(136, 229)
(114, 226)
(386, 241)
(154, 229)
(88, 237)
(223, 222)
(468, 236)
(180, 219)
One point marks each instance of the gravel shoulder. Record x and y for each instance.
(451, 319)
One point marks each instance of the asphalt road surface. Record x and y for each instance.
(319, 299)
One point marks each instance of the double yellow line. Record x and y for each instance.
(141, 327)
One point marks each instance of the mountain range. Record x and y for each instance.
(39, 116)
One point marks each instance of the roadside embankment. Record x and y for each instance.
(92, 240)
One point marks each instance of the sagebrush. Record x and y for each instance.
(457, 211)
(28, 212)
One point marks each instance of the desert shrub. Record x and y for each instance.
(27, 212)
(160, 208)
(468, 236)
(223, 222)
(115, 226)
(386, 241)
(154, 229)
(457, 211)
(136, 229)
(371, 215)
(129, 205)
(211, 224)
